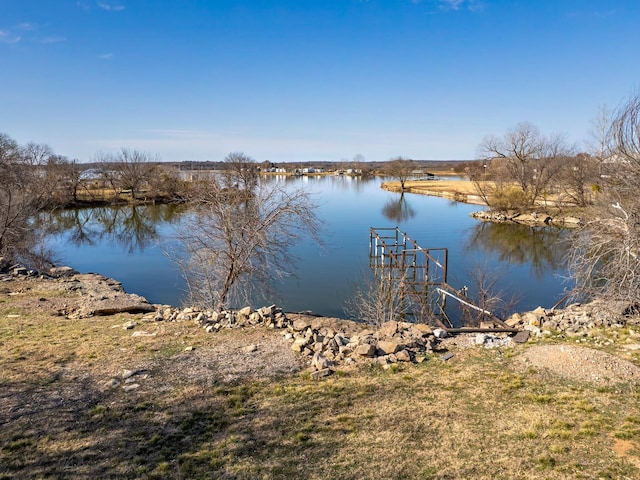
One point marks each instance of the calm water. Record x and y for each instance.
(128, 244)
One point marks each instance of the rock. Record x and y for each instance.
(440, 333)
(111, 383)
(129, 325)
(299, 344)
(421, 328)
(141, 333)
(321, 373)
(104, 296)
(388, 329)
(130, 387)
(365, 350)
(320, 362)
(300, 325)
(387, 347)
(514, 320)
(61, 271)
(403, 356)
(251, 348)
(128, 373)
(521, 337)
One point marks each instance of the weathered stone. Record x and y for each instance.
(142, 333)
(403, 356)
(320, 362)
(514, 320)
(340, 340)
(128, 373)
(251, 348)
(321, 373)
(365, 350)
(382, 360)
(345, 350)
(299, 344)
(522, 337)
(299, 325)
(246, 311)
(387, 346)
(388, 329)
(62, 271)
(421, 328)
(440, 333)
(129, 325)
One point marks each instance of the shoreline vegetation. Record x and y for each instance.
(466, 191)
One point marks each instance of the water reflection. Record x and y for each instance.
(542, 247)
(398, 210)
(132, 227)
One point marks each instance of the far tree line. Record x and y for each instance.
(517, 170)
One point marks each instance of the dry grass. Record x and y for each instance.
(458, 190)
(479, 415)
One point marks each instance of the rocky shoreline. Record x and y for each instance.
(326, 343)
(533, 218)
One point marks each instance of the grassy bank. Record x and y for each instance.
(65, 411)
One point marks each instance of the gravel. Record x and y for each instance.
(582, 364)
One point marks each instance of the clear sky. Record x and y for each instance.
(308, 79)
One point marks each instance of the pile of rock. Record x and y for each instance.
(391, 343)
(532, 218)
(214, 321)
(325, 346)
(576, 319)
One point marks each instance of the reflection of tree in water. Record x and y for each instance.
(541, 246)
(398, 210)
(133, 227)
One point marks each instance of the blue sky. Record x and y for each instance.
(308, 79)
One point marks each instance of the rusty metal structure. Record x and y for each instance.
(416, 278)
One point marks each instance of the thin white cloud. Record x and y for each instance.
(110, 7)
(8, 37)
(452, 5)
(106, 56)
(26, 27)
(49, 40)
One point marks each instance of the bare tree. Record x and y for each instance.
(375, 301)
(22, 195)
(238, 241)
(578, 178)
(127, 170)
(166, 183)
(241, 171)
(525, 159)
(600, 141)
(486, 295)
(399, 168)
(605, 260)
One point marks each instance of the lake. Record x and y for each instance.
(128, 244)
